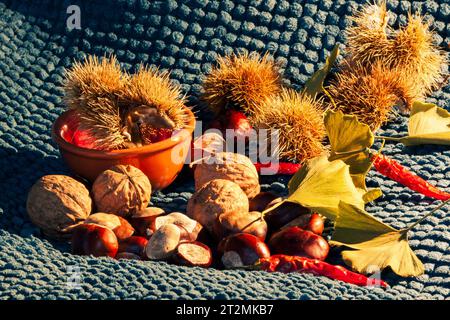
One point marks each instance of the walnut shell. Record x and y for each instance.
(57, 204)
(121, 190)
(229, 166)
(214, 198)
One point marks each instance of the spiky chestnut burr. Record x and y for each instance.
(112, 105)
(241, 81)
(416, 53)
(153, 88)
(370, 93)
(91, 89)
(93, 78)
(367, 38)
(410, 50)
(152, 101)
(299, 121)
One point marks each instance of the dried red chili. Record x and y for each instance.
(286, 264)
(287, 168)
(395, 171)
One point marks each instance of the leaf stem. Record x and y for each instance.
(349, 153)
(427, 215)
(389, 138)
(266, 211)
(329, 97)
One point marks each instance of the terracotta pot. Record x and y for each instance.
(161, 161)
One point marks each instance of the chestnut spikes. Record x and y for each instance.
(91, 89)
(154, 89)
(410, 51)
(368, 93)
(241, 81)
(299, 122)
(112, 105)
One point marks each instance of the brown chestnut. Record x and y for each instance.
(316, 224)
(240, 222)
(190, 228)
(261, 201)
(121, 227)
(135, 245)
(142, 220)
(242, 249)
(163, 242)
(295, 241)
(193, 254)
(283, 214)
(311, 222)
(94, 239)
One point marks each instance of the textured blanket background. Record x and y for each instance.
(185, 36)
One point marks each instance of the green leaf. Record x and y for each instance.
(321, 184)
(350, 141)
(428, 124)
(373, 244)
(314, 85)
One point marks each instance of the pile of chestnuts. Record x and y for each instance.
(224, 224)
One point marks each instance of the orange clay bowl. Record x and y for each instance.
(161, 161)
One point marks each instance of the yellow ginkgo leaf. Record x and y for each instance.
(346, 134)
(350, 141)
(372, 244)
(321, 184)
(428, 124)
(314, 85)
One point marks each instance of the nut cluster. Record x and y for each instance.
(224, 218)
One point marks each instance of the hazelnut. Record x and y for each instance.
(229, 166)
(121, 190)
(215, 198)
(57, 204)
(121, 227)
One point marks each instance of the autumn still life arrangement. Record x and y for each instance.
(326, 136)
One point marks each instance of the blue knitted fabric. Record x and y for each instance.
(186, 36)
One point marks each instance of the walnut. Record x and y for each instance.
(57, 204)
(215, 198)
(229, 166)
(121, 190)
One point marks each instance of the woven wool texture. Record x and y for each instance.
(186, 36)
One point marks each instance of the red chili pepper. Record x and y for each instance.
(395, 171)
(283, 167)
(286, 264)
